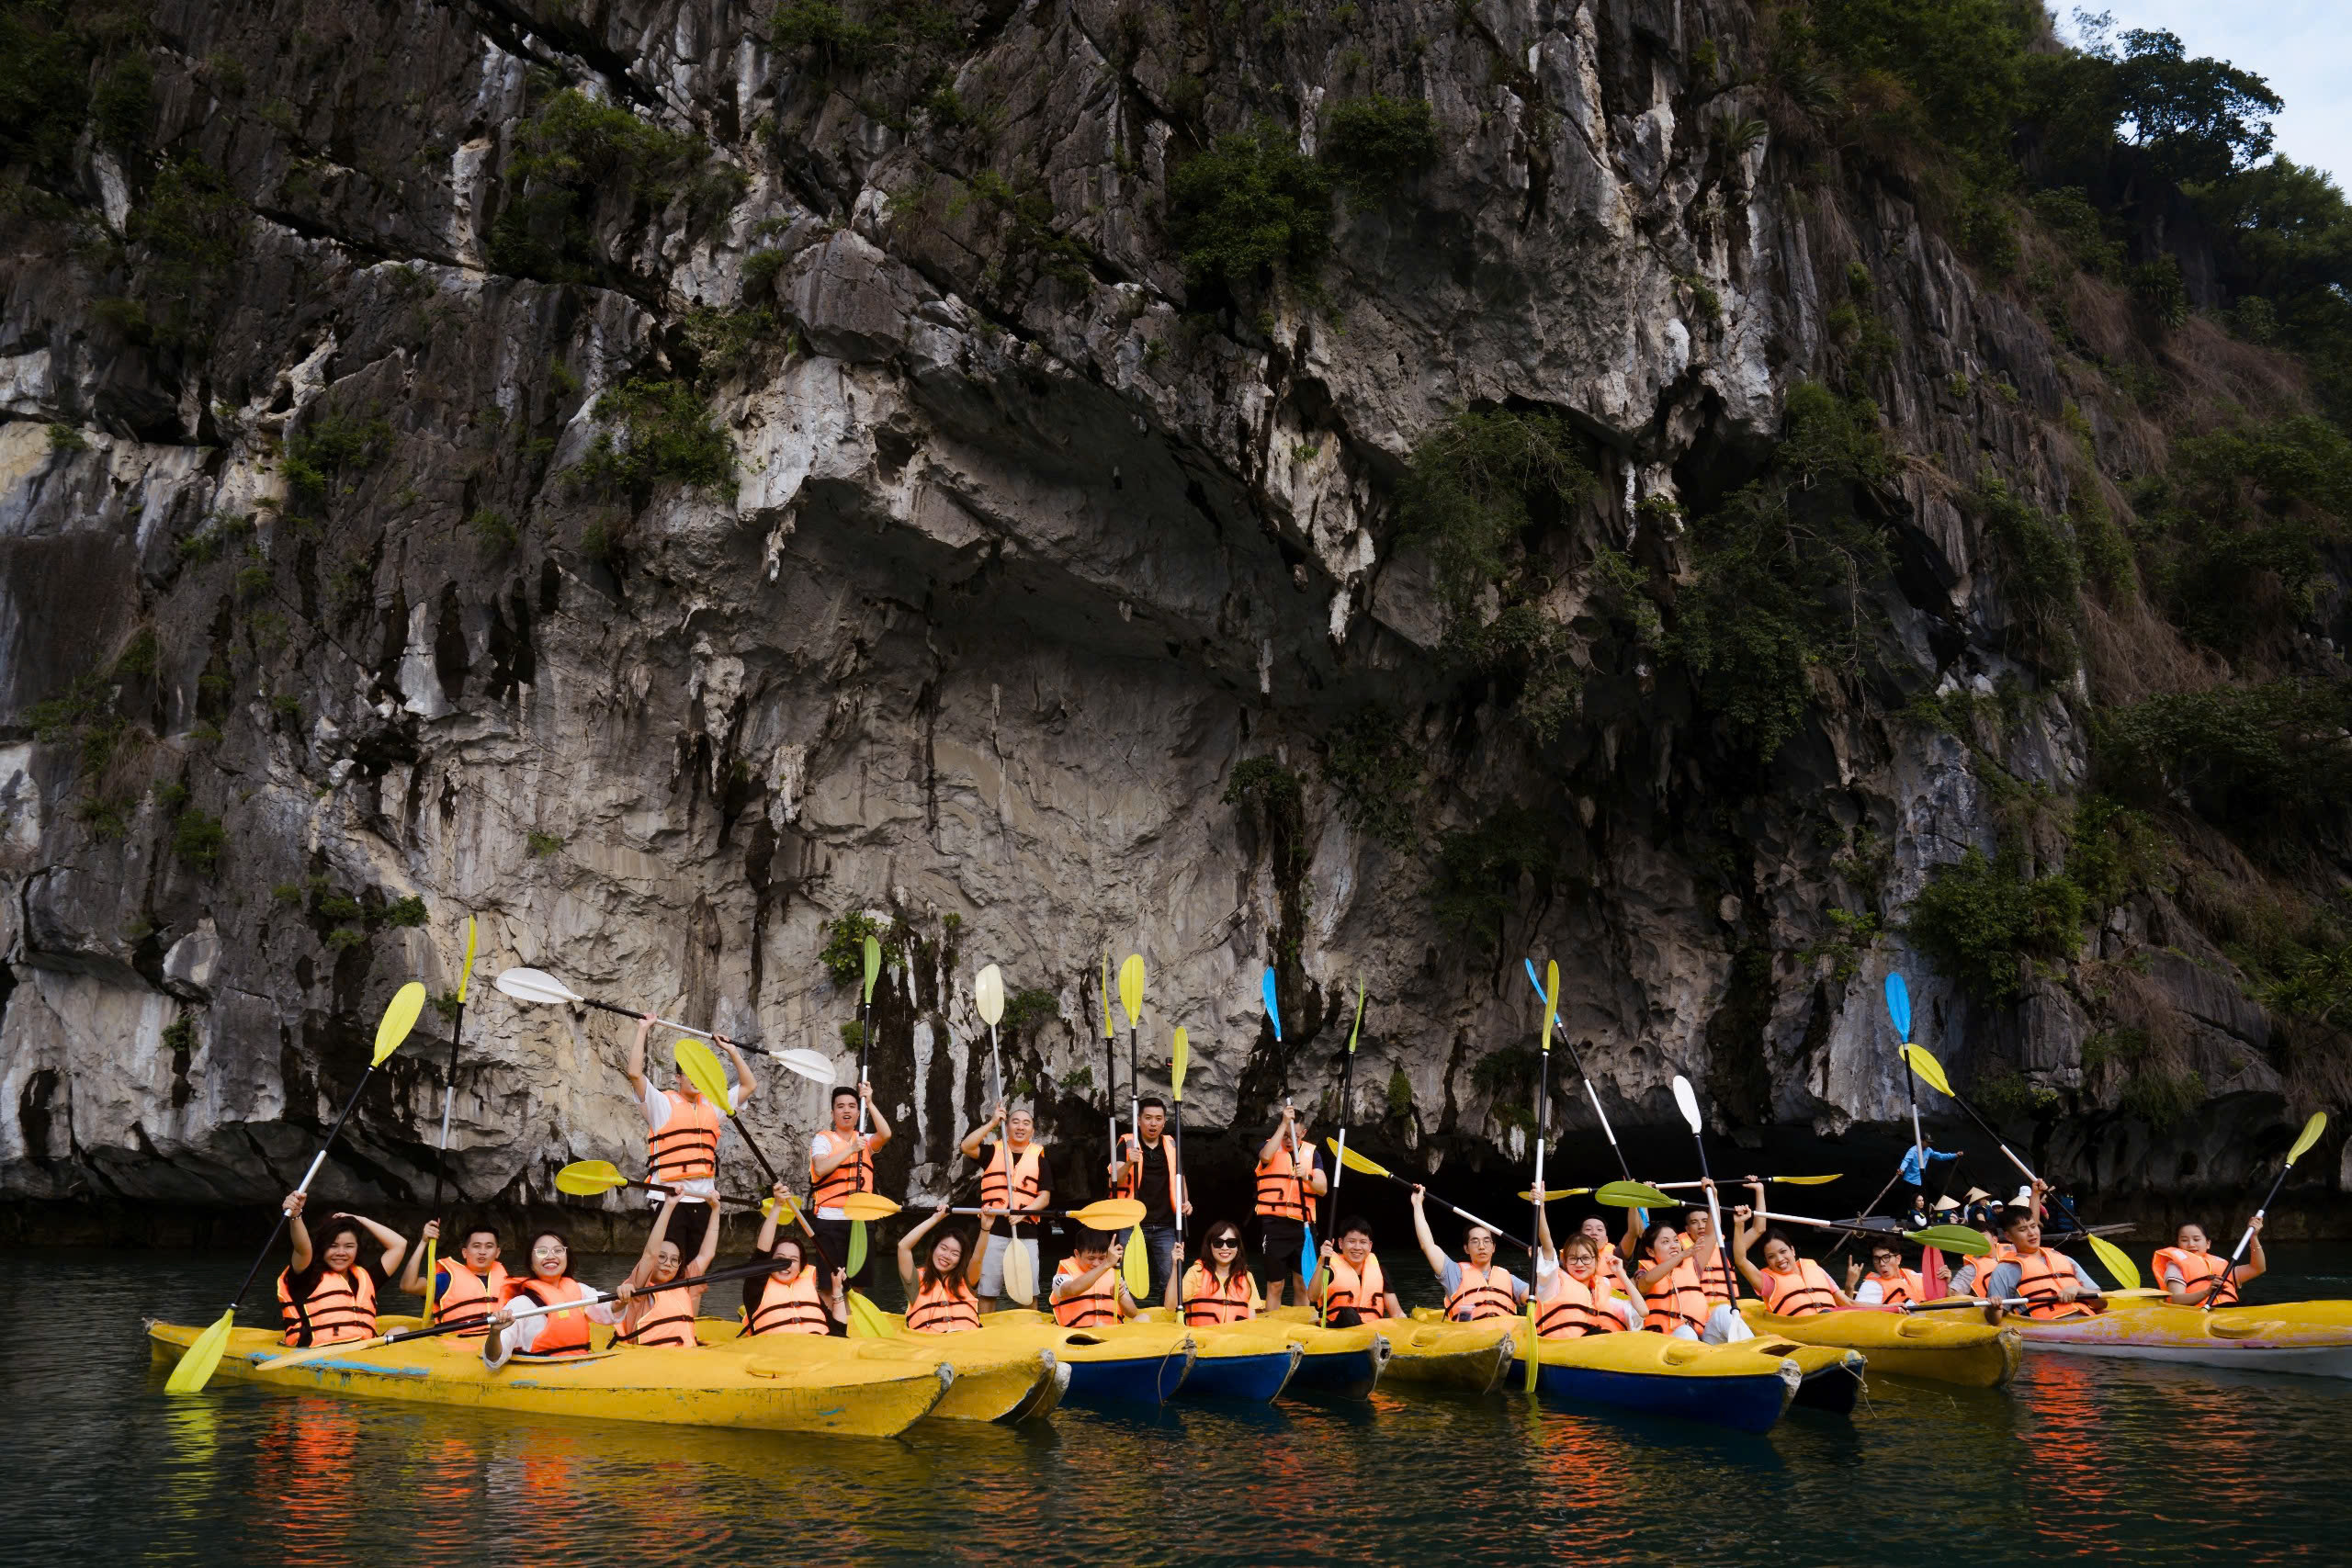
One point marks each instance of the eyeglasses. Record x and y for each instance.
(1223, 1242)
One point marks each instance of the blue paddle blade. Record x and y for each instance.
(1898, 1007)
(1306, 1259)
(1535, 982)
(1273, 1006)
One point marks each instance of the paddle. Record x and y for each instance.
(1591, 1093)
(348, 1346)
(1924, 1063)
(1357, 1159)
(196, 1368)
(538, 985)
(589, 1178)
(448, 1098)
(1632, 1195)
(1179, 1058)
(1783, 1180)
(1110, 1072)
(1019, 1281)
(865, 1319)
(1686, 1100)
(1949, 1239)
(873, 971)
(1954, 1304)
(1339, 1149)
(2312, 1131)
(1898, 1013)
(1134, 1261)
(700, 1067)
(1112, 1214)
(1306, 1259)
(1542, 1132)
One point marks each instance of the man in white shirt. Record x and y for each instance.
(682, 1137)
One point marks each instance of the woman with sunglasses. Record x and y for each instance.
(793, 1299)
(1219, 1288)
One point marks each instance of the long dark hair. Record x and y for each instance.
(300, 1285)
(926, 1276)
(1240, 1251)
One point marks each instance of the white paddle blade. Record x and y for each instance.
(805, 1064)
(987, 995)
(535, 985)
(1686, 1100)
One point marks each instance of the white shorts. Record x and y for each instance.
(1725, 1326)
(992, 1263)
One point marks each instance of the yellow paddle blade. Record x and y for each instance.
(1020, 1273)
(1632, 1195)
(1355, 1161)
(2312, 1129)
(1179, 1059)
(857, 1245)
(2117, 1262)
(788, 1214)
(698, 1064)
(1135, 1267)
(1106, 998)
(1131, 988)
(1551, 998)
(400, 1017)
(1534, 1344)
(873, 967)
(586, 1178)
(1951, 1238)
(867, 1206)
(196, 1368)
(1805, 1180)
(1930, 1070)
(865, 1319)
(1555, 1195)
(466, 971)
(1359, 1026)
(1112, 1214)
(987, 995)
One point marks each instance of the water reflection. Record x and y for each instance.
(2117, 1461)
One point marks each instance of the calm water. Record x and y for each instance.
(2114, 1462)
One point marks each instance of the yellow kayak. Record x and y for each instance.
(1117, 1364)
(2313, 1339)
(1744, 1386)
(1943, 1347)
(680, 1387)
(1428, 1349)
(993, 1382)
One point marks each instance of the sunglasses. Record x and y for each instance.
(1223, 1242)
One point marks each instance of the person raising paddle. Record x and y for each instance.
(841, 1161)
(658, 1310)
(1087, 1290)
(326, 1294)
(793, 1299)
(1678, 1303)
(1790, 1285)
(1015, 1174)
(682, 1131)
(939, 1291)
(2054, 1285)
(469, 1284)
(1574, 1295)
(1475, 1288)
(1288, 1182)
(2192, 1276)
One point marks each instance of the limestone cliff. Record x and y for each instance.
(664, 476)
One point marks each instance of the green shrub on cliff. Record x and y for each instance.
(657, 430)
(1248, 208)
(1375, 144)
(1976, 919)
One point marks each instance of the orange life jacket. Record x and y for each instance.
(2038, 1278)
(2195, 1269)
(1206, 1304)
(1131, 1170)
(341, 1308)
(1804, 1291)
(1281, 1182)
(1006, 1182)
(1347, 1289)
(854, 1174)
(471, 1297)
(1979, 1281)
(1907, 1286)
(947, 1307)
(560, 1333)
(1574, 1308)
(1678, 1302)
(1098, 1304)
(668, 1318)
(796, 1307)
(1717, 1280)
(1483, 1292)
(686, 1148)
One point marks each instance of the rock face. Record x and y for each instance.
(1018, 561)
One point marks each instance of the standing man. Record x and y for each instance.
(1288, 1184)
(1147, 1170)
(841, 1161)
(1014, 1175)
(682, 1137)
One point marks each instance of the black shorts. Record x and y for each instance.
(1278, 1243)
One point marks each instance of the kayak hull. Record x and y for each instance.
(1935, 1347)
(2306, 1339)
(1746, 1386)
(1249, 1376)
(1472, 1357)
(670, 1386)
(993, 1382)
(1834, 1389)
(1111, 1366)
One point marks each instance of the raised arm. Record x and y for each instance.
(643, 1270)
(970, 1146)
(746, 1086)
(295, 1231)
(1078, 1284)
(633, 1064)
(2256, 1265)
(1429, 1249)
(1277, 1139)
(768, 1220)
(908, 1277)
(1748, 1271)
(412, 1277)
(395, 1245)
(881, 1133)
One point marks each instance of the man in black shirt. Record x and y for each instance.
(1150, 1172)
(1014, 1175)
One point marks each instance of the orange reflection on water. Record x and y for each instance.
(306, 1478)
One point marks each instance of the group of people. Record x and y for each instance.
(1676, 1276)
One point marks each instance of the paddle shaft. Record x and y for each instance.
(640, 1013)
(1340, 1163)
(441, 1156)
(307, 1177)
(594, 1297)
(1874, 1203)
(2246, 1240)
(2011, 1155)
(1593, 1094)
(1715, 1218)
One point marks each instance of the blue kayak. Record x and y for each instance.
(1251, 1376)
